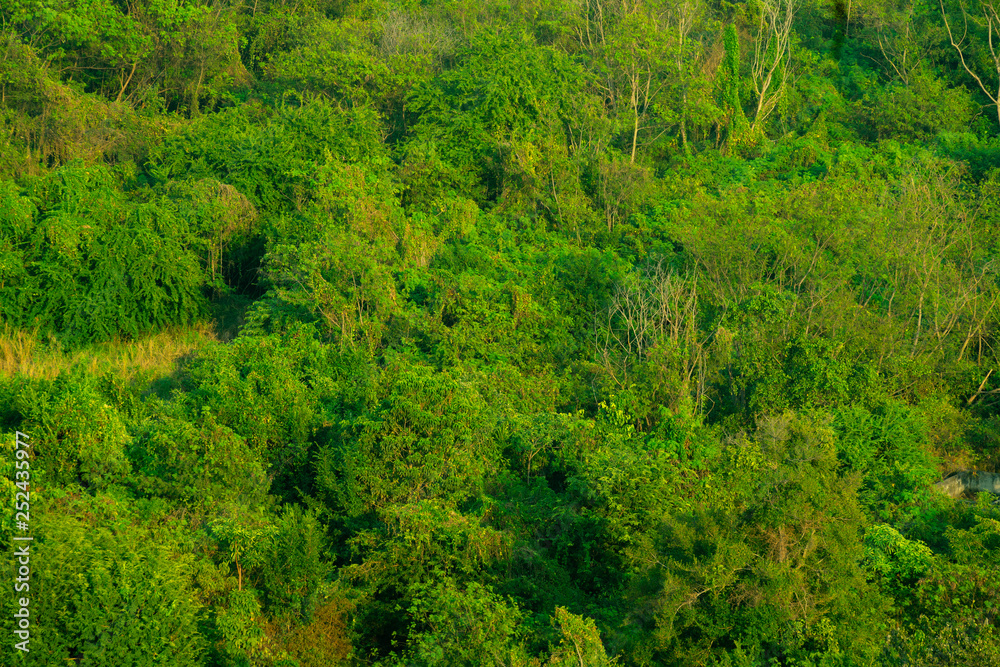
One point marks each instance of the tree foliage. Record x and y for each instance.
(605, 332)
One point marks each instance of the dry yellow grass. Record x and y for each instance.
(26, 353)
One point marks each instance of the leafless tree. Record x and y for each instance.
(771, 50)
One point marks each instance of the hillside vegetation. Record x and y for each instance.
(507, 333)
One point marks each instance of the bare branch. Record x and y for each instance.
(992, 24)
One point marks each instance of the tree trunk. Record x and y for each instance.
(635, 134)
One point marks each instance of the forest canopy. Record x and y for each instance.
(513, 333)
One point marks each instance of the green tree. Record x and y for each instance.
(470, 625)
(105, 591)
(96, 263)
(973, 56)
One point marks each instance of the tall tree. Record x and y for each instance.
(771, 52)
(688, 23)
(988, 23)
(638, 54)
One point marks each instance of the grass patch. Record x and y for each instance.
(27, 353)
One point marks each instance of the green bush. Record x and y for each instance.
(889, 448)
(429, 436)
(105, 591)
(198, 465)
(77, 436)
(91, 263)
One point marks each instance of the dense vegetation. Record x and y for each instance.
(582, 332)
